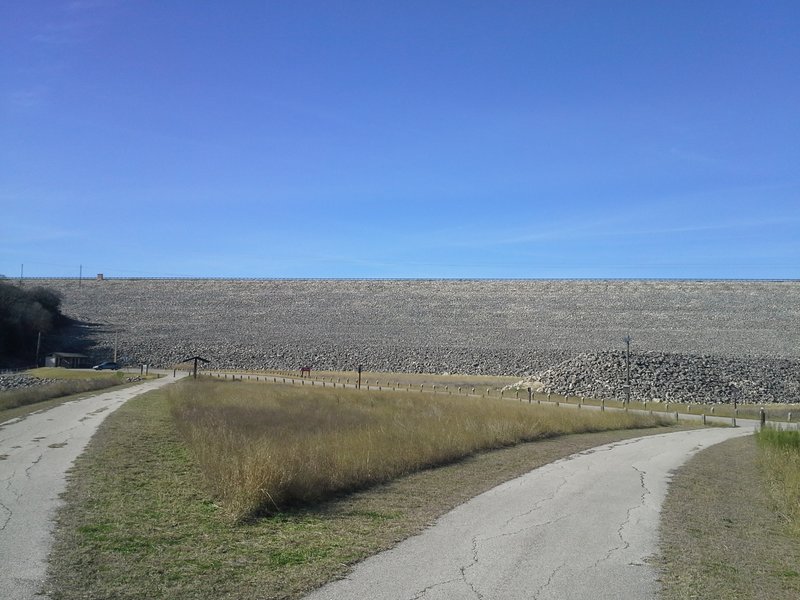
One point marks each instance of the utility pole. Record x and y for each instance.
(627, 340)
(21, 271)
(80, 276)
(359, 376)
(38, 347)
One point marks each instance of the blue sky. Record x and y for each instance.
(406, 139)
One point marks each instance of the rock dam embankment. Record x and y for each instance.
(746, 330)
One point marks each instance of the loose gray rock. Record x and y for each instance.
(741, 332)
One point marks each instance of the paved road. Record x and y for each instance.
(581, 527)
(35, 453)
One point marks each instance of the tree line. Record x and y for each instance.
(24, 314)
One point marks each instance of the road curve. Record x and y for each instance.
(581, 527)
(35, 453)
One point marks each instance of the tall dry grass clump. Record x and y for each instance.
(780, 461)
(40, 393)
(265, 447)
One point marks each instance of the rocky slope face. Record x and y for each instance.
(514, 327)
(675, 377)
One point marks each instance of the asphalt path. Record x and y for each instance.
(35, 453)
(580, 528)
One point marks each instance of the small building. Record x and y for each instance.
(68, 360)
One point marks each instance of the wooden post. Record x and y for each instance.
(530, 395)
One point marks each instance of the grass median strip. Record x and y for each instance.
(141, 520)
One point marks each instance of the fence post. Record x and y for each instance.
(602, 404)
(763, 417)
(529, 395)
(704, 418)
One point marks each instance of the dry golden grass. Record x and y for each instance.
(265, 447)
(39, 393)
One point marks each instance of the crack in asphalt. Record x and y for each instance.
(620, 530)
(536, 506)
(549, 580)
(33, 464)
(420, 594)
(8, 517)
(465, 568)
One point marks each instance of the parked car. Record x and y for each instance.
(109, 364)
